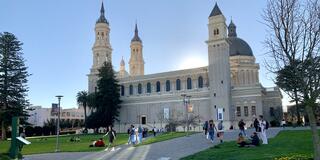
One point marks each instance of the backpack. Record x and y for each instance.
(267, 125)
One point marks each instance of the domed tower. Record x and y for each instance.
(136, 62)
(122, 73)
(244, 70)
(219, 67)
(101, 49)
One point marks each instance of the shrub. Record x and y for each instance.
(29, 131)
(38, 131)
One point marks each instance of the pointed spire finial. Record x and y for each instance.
(232, 29)
(122, 62)
(136, 34)
(215, 11)
(102, 18)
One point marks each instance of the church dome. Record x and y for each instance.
(239, 47)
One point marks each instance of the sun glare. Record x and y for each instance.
(192, 62)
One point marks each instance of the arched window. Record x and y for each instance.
(131, 90)
(139, 88)
(122, 90)
(148, 87)
(189, 83)
(158, 87)
(200, 82)
(167, 85)
(178, 85)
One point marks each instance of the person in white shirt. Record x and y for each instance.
(263, 134)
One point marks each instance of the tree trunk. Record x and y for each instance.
(3, 131)
(85, 116)
(315, 133)
(297, 107)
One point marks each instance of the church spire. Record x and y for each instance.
(136, 37)
(232, 29)
(102, 18)
(215, 11)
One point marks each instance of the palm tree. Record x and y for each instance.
(82, 99)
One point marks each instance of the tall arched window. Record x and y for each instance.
(148, 87)
(200, 82)
(178, 85)
(189, 83)
(131, 90)
(158, 87)
(139, 88)
(168, 86)
(122, 90)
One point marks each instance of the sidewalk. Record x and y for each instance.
(167, 150)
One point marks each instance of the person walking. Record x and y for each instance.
(112, 137)
(129, 134)
(211, 129)
(241, 125)
(220, 131)
(205, 128)
(140, 130)
(263, 129)
(256, 124)
(132, 135)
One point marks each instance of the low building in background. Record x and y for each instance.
(39, 116)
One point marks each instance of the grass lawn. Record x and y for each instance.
(291, 144)
(164, 137)
(4, 157)
(45, 146)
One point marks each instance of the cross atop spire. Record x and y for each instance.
(215, 11)
(102, 18)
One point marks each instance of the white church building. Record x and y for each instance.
(227, 89)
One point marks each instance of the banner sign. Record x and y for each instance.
(220, 114)
(54, 109)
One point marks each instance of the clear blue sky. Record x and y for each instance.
(58, 36)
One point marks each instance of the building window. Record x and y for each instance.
(239, 111)
(246, 112)
(178, 85)
(143, 120)
(148, 87)
(131, 90)
(139, 88)
(158, 86)
(200, 82)
(253, 110)
(167, 85)
(189, 83)
(122, 90)
(271, 111)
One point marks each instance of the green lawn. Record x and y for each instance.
(291, 144)
(164, 137)
(45, 146)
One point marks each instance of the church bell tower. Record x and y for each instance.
(136, 62)
(219, 67)
(101, 49)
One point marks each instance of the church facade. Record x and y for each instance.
(227, 89)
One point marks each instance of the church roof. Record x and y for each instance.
(102, 18)
(216, 11)
(136, 37)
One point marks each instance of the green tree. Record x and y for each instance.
(82, 99)
(106, 101)
(13, 80)
(294, 45)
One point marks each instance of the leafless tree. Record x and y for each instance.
(294, 47)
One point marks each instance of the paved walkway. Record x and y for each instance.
(167, 150)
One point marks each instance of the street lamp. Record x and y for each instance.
(186, 103)
(58, 123)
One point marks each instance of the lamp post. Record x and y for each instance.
(58, 123)
(186, 102)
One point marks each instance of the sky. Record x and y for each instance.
(58, 36)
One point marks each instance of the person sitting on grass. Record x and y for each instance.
(99, 143)
(241, 140)
(255, 139)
